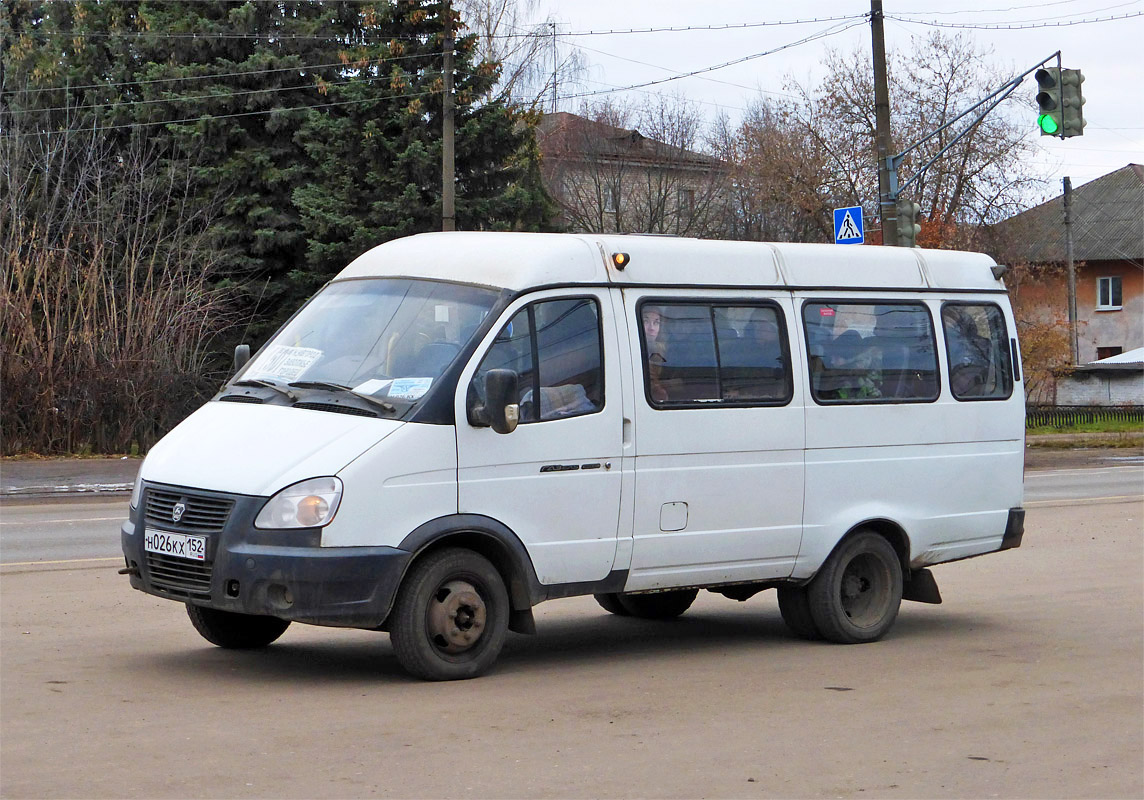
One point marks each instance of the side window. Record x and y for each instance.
(714, 354)
(563, 337)
(976, 343)
(871, 352)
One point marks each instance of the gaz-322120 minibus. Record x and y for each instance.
(460, 426)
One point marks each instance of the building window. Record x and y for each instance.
(1108, 293)
(686, 201)
(1108, 352)
(611, 199)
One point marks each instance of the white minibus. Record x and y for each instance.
(460, 426)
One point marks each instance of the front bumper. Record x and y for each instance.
(284, 574)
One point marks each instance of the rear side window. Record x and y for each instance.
(714, 354)
(871, 352)
(563, 338)
(977, 345)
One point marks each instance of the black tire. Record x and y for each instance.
(856, 595)
(610, 602)
(659, 605)
(451, 616)
(235, 631)
(794, 605)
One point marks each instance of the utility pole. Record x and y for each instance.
(448, 181)
(553, 24)
(886, 192)
(1074, 345)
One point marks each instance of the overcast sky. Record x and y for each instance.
(1111, 55)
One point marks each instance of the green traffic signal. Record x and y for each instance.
(1049, 100)
(1047, 124)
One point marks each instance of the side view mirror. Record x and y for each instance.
(501, 412)
(241, 356)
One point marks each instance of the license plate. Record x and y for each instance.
(179, 545)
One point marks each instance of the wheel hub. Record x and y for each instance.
(457, 617)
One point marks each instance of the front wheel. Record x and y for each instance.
(856, 595)
(235, 631)
(660, 605)
(451, 616)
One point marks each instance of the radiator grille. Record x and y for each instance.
(199, 513)
(179, 576)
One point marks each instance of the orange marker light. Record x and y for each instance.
(620, 260)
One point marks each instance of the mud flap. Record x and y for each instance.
(921, 588)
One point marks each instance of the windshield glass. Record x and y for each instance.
(384, 337)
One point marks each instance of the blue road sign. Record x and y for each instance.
(848, 225)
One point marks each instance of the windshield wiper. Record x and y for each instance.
(337, 387)
(266, 384)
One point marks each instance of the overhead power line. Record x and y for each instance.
(213, 75)
(213, 117)
(190, 98)
(831, 31)
(1012, 26)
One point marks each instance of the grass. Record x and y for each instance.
(1111, 426)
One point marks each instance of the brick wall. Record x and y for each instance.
(1100, 388)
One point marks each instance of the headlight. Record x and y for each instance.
(308, 504)
(137, 490)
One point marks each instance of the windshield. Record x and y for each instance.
(386, 338)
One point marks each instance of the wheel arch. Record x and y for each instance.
(491, 539)
(889, 530)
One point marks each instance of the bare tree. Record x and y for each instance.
(106, 304)
(981, 179)
(797, 159)
(782, 184)
(510, 34)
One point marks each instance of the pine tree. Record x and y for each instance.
(376, 157)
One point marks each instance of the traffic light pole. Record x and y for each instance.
(890, 164)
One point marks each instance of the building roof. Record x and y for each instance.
(1131, 357)
(572, 137)
(1108, 222)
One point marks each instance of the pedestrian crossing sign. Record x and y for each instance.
(848, 225)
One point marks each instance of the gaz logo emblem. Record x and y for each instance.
(178, 511)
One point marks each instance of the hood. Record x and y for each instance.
(258, 449)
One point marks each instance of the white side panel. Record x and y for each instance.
(568, 519)
(739, 471)
(407, 480)
(946, 472)
(259, 449)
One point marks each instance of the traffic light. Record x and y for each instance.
(1049, 101)
(1072, 103)
(908, 227)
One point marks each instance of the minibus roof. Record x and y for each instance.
(518, 261)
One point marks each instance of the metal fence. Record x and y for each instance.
(1070, 416)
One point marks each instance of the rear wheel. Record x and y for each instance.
(794, 605)
(610, 602)
(660, 605)
(451, 616)
(235, 631)
(856, 595)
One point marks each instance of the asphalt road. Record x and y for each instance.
(1027, 682)
(58, 529)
